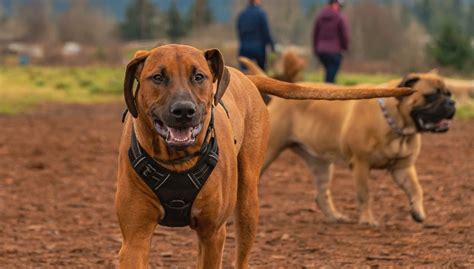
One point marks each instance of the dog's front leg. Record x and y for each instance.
(361, 173)
(407, 179)
(211, 245)
(137, 219)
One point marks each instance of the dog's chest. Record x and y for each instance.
(395, 152)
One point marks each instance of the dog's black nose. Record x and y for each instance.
(183, 109)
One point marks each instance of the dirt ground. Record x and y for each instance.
(57, 185)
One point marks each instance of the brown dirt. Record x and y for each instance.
(57, 186)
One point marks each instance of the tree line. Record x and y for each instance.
(408, 34)
(144, 20)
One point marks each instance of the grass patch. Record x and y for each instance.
(465, 111)
(23, 87)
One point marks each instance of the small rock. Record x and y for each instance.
(166, 254)
(285, 237)
(278, 257)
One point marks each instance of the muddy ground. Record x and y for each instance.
(57, 185)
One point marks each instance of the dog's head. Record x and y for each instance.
(431, 107)
(175, 91)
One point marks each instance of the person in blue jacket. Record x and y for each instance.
(254, 33)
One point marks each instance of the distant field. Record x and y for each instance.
(23, 87)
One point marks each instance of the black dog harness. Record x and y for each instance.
(176, 190)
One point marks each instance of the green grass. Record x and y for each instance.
(465, 111)
(23, 87)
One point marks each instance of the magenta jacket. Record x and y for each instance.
(331, 33)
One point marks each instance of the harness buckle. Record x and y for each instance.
(177, 204)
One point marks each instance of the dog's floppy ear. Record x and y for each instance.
(133, 71)
(219, 71)
(409, 81)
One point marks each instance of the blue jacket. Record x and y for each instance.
(253, 31)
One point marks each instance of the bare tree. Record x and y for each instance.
(200, 14)
(35, 21)
(380, 33)
(85, 24)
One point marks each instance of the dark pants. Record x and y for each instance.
(255, 54)
(331, 62)
(258, 56)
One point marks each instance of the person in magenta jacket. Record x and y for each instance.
(330, 38)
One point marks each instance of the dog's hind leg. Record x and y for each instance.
(272, 153)
(361, 173)
(250, 160)
(407, 179)
(322, 171)
(278, 140)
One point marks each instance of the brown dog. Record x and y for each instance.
(362, 135)
(175, 100)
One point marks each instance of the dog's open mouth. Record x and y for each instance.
(440, 126)
(178, 137)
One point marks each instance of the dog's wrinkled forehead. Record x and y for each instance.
(430, 82)
(175, 59)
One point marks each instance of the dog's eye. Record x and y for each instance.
(158, 78)
(431, 97)
(198, 77)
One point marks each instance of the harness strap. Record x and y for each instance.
(175, 190)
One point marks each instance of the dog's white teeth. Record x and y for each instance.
(180, 135)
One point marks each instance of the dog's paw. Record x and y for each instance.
(417, 212)
(339, 218)
(369, 221)
(418, 216)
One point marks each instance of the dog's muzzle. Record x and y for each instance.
(434, 117)
(179, 125)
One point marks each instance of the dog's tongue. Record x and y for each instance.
(180, 134)
(443, 123)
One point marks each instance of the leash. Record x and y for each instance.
(391, 121)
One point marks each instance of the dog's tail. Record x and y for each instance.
(252, 68)
(322, 92)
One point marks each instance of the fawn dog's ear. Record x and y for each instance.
(132, 73)
(219, 72)
(409, 81)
